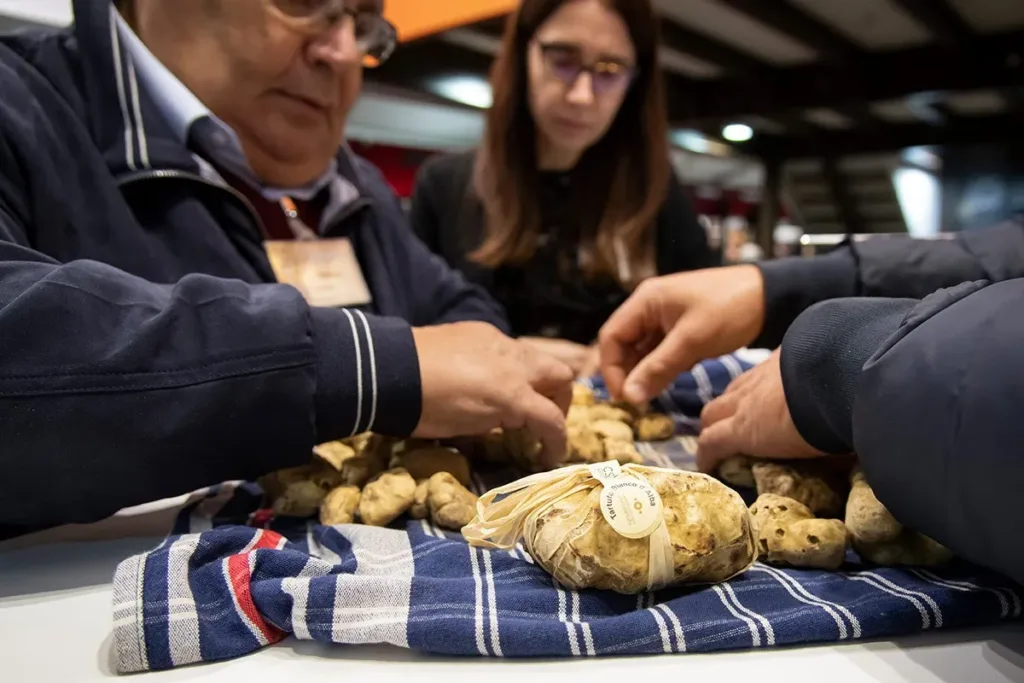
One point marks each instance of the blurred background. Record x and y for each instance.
(795, 122)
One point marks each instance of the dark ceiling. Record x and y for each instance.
(847, 76)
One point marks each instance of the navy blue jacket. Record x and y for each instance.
(145, 350)
(914, 363)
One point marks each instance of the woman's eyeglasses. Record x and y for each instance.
(376, 37)
(607, 76)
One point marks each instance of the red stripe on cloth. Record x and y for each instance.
(268, 540)
(240, 577)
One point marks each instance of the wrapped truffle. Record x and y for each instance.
(627, 529)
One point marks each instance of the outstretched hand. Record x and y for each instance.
(672, 323)
(751, 418)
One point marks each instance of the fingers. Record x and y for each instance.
(546, 422)
(717, 443)
(572, 354)
(614, 379)
(721, 408)
(544, 403)
(741, 381)
(592, 365)
(617, 342)
(550, 377)
(615, 365)
(561, 397)
(676, 354)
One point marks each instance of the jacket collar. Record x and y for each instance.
(124, 119)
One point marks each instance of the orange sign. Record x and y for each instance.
(418, 18)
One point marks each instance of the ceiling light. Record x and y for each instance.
(737, 132)
(471, 91)
(691, 140)
(696, 142)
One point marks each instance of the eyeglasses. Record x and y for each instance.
(607, 76)
(376, 37)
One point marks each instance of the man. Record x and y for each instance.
(922, 383)
(153, 166)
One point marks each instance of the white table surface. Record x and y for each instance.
(55, 618)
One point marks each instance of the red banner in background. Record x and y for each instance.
(399, 165)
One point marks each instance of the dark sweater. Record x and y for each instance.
(924, 387)
(548, 296)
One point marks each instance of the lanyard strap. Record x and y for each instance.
(299, 229)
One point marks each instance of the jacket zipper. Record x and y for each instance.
(170, 174)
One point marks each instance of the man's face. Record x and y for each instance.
(286, 92)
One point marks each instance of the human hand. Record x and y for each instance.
(476, 379)
(572, 354)
(672, 323)
(592, 365)
(751, 418)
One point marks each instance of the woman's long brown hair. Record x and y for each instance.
(629, 167)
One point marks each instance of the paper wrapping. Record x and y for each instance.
(558, 516)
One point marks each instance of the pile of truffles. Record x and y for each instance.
(807, 512)
(375, 480)
(599, 432)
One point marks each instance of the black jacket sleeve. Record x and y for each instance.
(887, 267)
(928, 394)
(682, 244)
(115, 391)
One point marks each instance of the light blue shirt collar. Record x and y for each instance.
(187, 115)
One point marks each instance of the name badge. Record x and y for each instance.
(325, 271)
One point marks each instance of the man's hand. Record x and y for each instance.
(592, 366)
(751, 418)
(582, 359)
(475, 379)
(672, 323)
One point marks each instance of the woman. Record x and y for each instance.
(570, 201)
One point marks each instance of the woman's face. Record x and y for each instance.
(581, 63)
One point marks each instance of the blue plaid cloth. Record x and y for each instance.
(216, 589)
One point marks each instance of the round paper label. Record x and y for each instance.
(631, 506)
